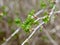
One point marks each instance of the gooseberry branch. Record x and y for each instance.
(51, 13)
(35, 29)
(19, 29)
(8, 39)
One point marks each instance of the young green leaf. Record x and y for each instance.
(28, 22)
(46, 19)
(17, 21)
(42, 4)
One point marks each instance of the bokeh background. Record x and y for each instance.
(22, 8)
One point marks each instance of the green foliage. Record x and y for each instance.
(28, 22)
(17, 21)
(42, 4)
(46, 19)
(26, 25)
(51, 3)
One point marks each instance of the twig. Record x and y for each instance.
(52, 11)
(51, 15)
(32, 33)
(40, 18)
(19, 29)
(49, 37)
(38, 27)
(11, 36)
(36, 14)
(34, 29)
(40, 11)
